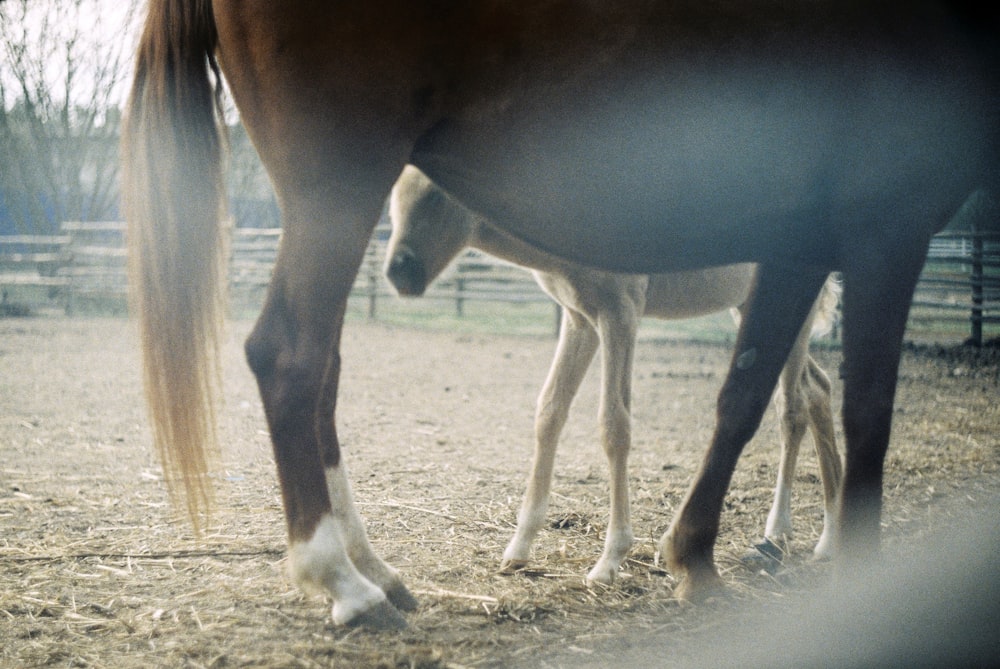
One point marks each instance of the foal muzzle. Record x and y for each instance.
(407, 273)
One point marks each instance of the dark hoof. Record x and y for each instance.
(766, 556)
(401, 598)
(382, 616)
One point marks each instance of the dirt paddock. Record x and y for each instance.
(96, 570)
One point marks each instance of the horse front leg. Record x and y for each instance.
(574, 351)
(777, 308)
(294, 353)
(877, 297)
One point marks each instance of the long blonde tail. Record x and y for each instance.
(173, 200)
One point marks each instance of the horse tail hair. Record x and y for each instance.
(827, 309)
(173, 198)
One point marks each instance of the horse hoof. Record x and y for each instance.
(766, 556)
(509, 567)
(381, 617)
(699, 589)
(400, 597)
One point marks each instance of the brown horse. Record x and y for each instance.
(642, 136)
(603, 309)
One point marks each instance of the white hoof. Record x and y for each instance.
(602, 574)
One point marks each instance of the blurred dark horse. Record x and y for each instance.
(644, 136)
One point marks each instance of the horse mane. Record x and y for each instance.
(173, 202)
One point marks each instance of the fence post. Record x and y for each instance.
(69, 265)
(372, 292)
(976, 279)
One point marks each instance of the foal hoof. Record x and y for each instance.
(381, 617)
(400, 597)
(766, 556)
(602, 575)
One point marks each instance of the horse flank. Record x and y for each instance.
(173, 201)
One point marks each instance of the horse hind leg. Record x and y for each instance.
(574, 351)
(319, 556)
(294, 353)
(359, 548)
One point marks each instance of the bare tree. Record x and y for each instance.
(63, 64)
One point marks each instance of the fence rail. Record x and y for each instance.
(960, 282)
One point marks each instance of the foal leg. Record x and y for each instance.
(778, 305)
(804, 399)
(577, 345)
(794, 420)
(618, 332)
(819, 397)
(294, 353)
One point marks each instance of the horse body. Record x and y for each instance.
(664, 148)
(644, 137)
(603, 309)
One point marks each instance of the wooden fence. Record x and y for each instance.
(474, 276)
(87, 262)
(960, 283)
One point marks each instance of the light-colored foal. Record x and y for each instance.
(603, 309)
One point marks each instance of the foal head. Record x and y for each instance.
(429, 228)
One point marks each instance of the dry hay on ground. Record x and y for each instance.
(95, 570)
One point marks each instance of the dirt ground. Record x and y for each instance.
(97, 571)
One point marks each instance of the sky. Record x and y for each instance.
(102, 27)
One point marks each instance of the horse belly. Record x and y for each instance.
(709, 160)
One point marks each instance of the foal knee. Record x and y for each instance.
(616, 430)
